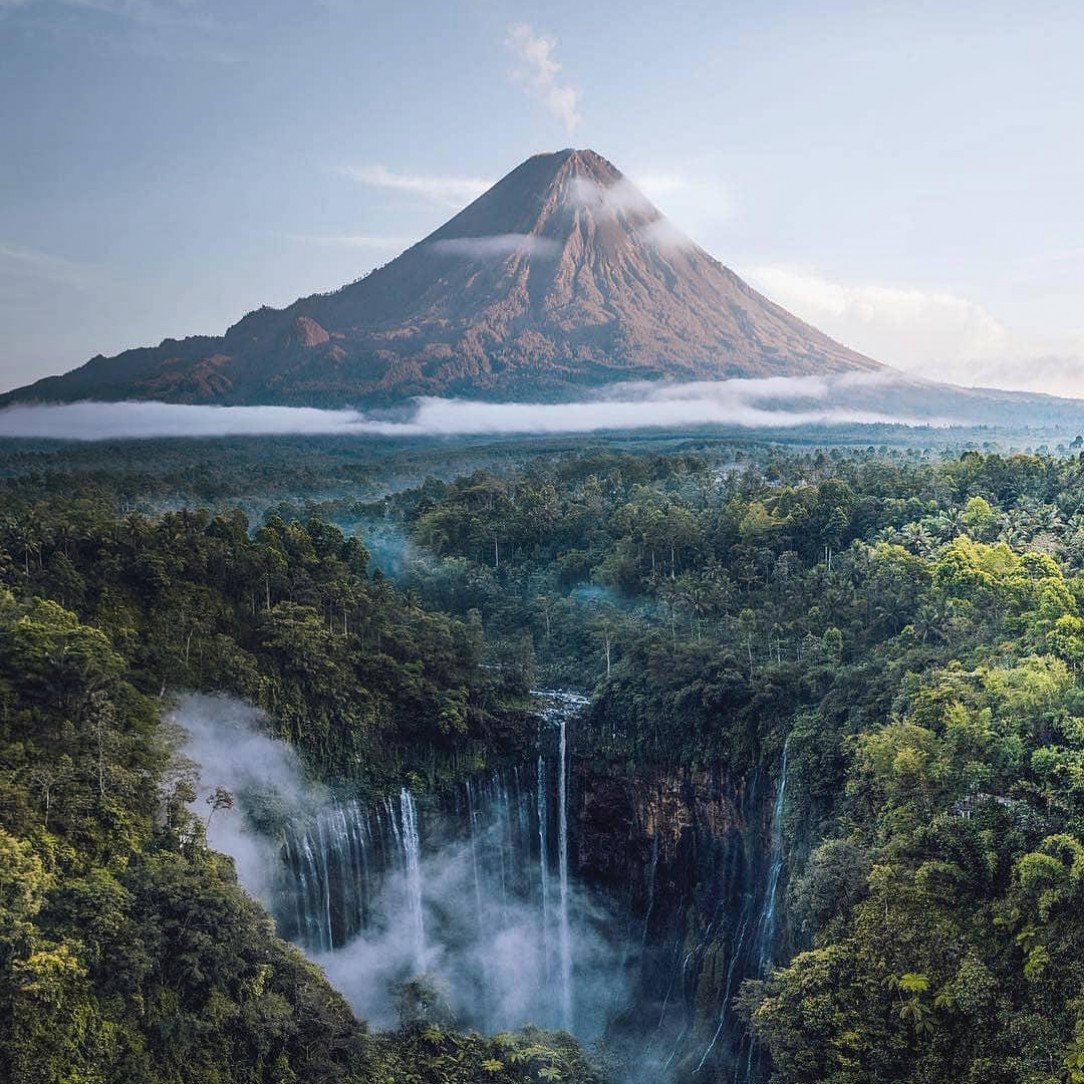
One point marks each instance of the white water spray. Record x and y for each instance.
(463, 888)
(542, 812)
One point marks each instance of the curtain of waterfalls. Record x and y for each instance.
(459, 888)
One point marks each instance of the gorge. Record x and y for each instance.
(551, 892)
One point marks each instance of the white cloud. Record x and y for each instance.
(934, 334)
(625, 200)
(446, 191)
(498, 246)
(697, 200)
(352, 240)
(621, 198)
(539, 73)
(666, 237)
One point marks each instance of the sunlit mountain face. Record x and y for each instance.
(562, 277)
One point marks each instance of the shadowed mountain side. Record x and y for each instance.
(561, 277)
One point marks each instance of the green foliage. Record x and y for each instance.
(916, 628)
(354, 673)
(918, 631)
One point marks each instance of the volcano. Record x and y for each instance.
(561, 277)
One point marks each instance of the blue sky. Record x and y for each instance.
(905, 175)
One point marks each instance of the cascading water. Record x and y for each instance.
(461, 888)
(480, 889)
(411, 853)
(736, 941)
(766, 944)
(562, 852)
(542, 813)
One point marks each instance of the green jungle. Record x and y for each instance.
(893, 634)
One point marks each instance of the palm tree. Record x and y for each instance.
(917, 538)
(950, 523)
(930, 620)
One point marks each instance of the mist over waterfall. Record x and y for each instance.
(458, 888)
(476, 889)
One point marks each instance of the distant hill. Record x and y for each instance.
(560, 278)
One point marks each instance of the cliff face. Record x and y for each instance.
(561, 277)
(691, 856)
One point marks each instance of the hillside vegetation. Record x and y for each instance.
(914, 627)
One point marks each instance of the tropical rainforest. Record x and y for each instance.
(837, 687)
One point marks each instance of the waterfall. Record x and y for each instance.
(775, 870)
(542, 813)
(473, 886)
(326, 867)
(411, 853)
(752, 941)
(735, 955)
(564, 944)
(473, 828)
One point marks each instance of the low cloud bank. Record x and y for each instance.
(775, 402)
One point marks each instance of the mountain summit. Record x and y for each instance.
(560, 277)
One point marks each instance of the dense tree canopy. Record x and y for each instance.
(914, 625)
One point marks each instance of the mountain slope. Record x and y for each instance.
(562, 276)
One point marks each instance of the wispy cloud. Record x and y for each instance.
(352, 240)
(935, 334)
(621, 198)
(687, 188)
(448, 191)
(663, 235)
(498, 246)
(537, 71)
(170, 30)
(19, 262)
(188, 13)
(770, 403)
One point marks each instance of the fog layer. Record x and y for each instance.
(763, 403)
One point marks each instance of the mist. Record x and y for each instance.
(620, 198)
(774, 402)
(498, 246)
(226, 739)
(466, 891)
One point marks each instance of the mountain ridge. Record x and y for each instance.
(560, 277)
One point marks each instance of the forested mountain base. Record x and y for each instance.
(912, 626)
